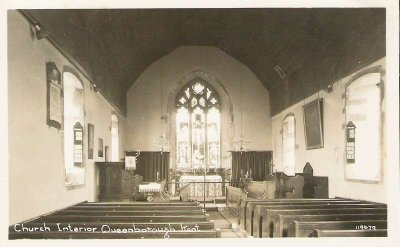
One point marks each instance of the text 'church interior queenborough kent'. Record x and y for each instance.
(197, 123)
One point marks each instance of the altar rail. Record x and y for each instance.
(185, 189)
(184, 193)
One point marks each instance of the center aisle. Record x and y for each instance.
(226, 223)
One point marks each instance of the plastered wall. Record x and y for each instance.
(330, 160)
(224, 73)
(36, 161)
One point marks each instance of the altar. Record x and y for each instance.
(213, 185)
(154, 191)
(149, 190)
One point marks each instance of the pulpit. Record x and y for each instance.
(115, 183)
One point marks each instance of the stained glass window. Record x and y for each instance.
(198, 121)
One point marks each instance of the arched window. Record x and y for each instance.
(363, 116)
(289, 144)
(73, 129)
(114, 138)
(198, 121)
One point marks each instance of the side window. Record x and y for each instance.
(73, 130)
(363, 128)
(288, 144)
(114, 138)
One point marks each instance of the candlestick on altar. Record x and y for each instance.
(250, 173)
(158, 175)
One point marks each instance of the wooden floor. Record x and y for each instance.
(224, 223)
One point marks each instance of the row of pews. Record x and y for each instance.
(332, 217)
(119, 221)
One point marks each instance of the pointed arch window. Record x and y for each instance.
(114, 138)
(74, 122)
(289, 144)
(363, 109)
(198, 124)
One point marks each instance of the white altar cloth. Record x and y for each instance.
(149, 188)
(196, 189)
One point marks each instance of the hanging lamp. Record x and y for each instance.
(239, 144)
(162, 143)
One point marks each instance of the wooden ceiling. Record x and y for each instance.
(314, 47)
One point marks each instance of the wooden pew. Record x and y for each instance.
(120, 220)
(349, 233)
(54, 227)
(253, 220)
(261, 190)
(255, 212)
(132, 207)
(267, 225)
(304, 229)
(255, 190)
(243, 205)
(281, 222)
(253, 209)
(142, 219)
(233, 197)
(112, 235)
(149, 204)
(287, 186)
(130, 212)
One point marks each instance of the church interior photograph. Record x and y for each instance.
(154, 123)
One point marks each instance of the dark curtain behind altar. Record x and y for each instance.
(260, 163)
(148, 163)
